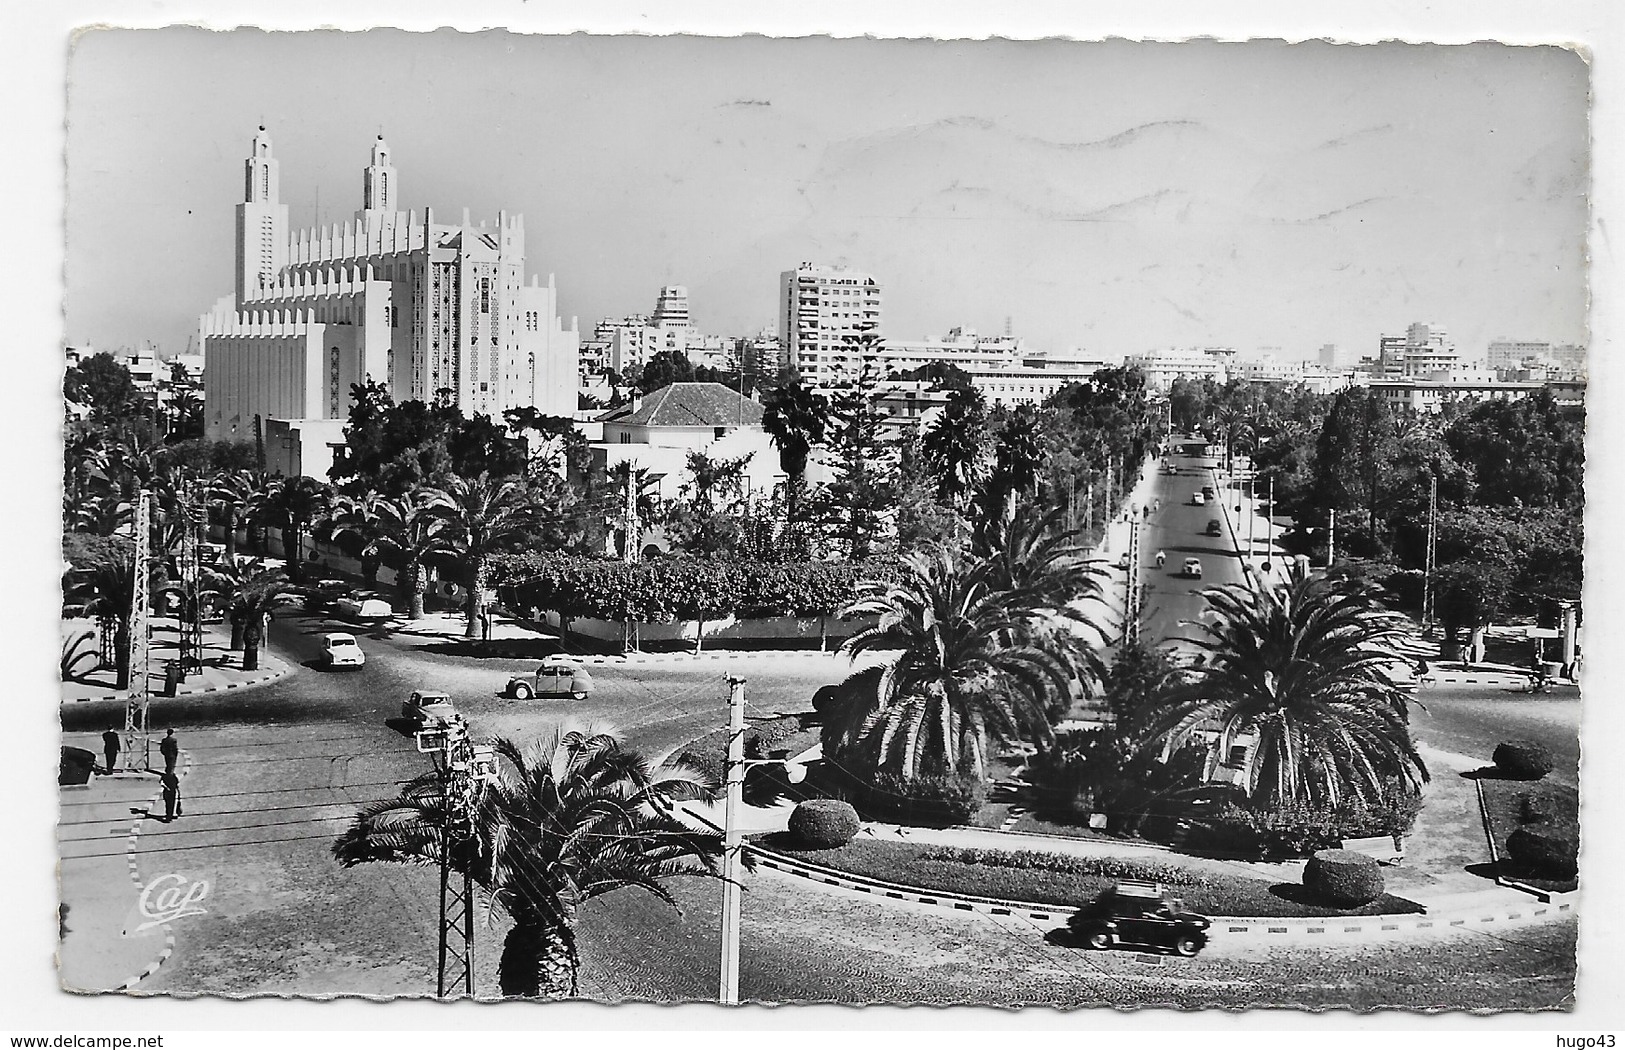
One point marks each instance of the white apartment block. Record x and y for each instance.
(824, 314)
(1162, 367)
(426, 309)
(1510, 353)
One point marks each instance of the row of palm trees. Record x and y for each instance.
(991, 645)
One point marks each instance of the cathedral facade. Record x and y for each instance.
(427, 309)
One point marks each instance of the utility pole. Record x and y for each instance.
(1269, 528)
(137, 710)
(1428, 564)
(191, 572)
(1106, 516)
(732, 841)
(1131, 604)
(465, 768)
(1331, 539)
(1089, 512)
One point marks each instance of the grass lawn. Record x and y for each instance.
(1065, 881)
(1504, 801)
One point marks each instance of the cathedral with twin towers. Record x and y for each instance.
(427, 309)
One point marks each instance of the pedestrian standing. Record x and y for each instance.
(170, 748)
(111, 747)
(172, 796)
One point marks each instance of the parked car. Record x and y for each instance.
(1214, 528)
(341, 650)
(1197, 499)
(427, 708)
(1193, 568)
(363, 608)
(1207, 490)
(1142, 915)
(561, 681)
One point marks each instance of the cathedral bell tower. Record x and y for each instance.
(381, 188)
(262, 223)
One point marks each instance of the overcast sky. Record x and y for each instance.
(1114, 196)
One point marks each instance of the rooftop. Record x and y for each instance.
(690, 405)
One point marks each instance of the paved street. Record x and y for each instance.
(273, 773)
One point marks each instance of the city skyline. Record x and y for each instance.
(1248, 195)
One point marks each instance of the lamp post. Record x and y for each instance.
(733, 839)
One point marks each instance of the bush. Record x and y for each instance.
(1297, 830)
(1522, 759)
(1342, 877)
(1532, 809)
(1545, 850)
(763, 738)
(824, 823)
(929, 799)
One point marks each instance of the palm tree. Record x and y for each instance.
(975, 665)
(1305, 665)
(485, 514)
(952, 447)
(101, 578)
(796, 419)
(229, 494)
(249, 590)
(293, 505)
(414, 526)
(574, 817)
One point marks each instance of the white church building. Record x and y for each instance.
(427, 309)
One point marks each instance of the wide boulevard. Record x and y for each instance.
(276, 771)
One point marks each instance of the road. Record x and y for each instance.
(278, 771)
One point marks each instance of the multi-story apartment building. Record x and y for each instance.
(826, 314)
(427, 309)
(1510, 353)
(1162, 367)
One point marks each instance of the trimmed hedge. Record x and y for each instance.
(824, 823)
(1298, 830)
(1145, 869)
(931, 799)
(661, 590)
(1522, 759)
(1545, 850)
(1341, 876)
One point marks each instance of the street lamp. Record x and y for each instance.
(733, 842)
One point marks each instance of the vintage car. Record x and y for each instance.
(1141, 915)
(341, 650)
(1214, 528)
(562, 681)
(427, 708)
(1193, 568)
(1197, 499)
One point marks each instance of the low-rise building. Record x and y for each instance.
(656, 433)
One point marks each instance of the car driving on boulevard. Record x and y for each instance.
(1142, 915)
(560, 681)
(341, 650)
(426, 708)
(1193, 568)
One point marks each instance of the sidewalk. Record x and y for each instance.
(107, 898)
(222, 668)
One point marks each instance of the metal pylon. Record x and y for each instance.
(1427, 572)
(137, 709)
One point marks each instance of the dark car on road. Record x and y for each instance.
(1140, 915)
(1213, 527)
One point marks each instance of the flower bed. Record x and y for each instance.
(1064, 880)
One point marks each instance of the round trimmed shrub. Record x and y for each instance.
(824, 823)
(1522, 759)
(1545, 850)
(1343, 877)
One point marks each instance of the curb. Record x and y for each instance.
(677, 658)
(264, 679)
(1246, 925)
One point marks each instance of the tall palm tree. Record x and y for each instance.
(796, 418)
(574, 817)
(229, 494)
(413, 526)
(952, 446)
(1305, 665)
(249, 591)
(101, 578)
(292, 505)
(976, 665)
(485, 515)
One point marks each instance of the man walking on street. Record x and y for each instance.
(172, 796)
(170, 748)
(111, 747)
